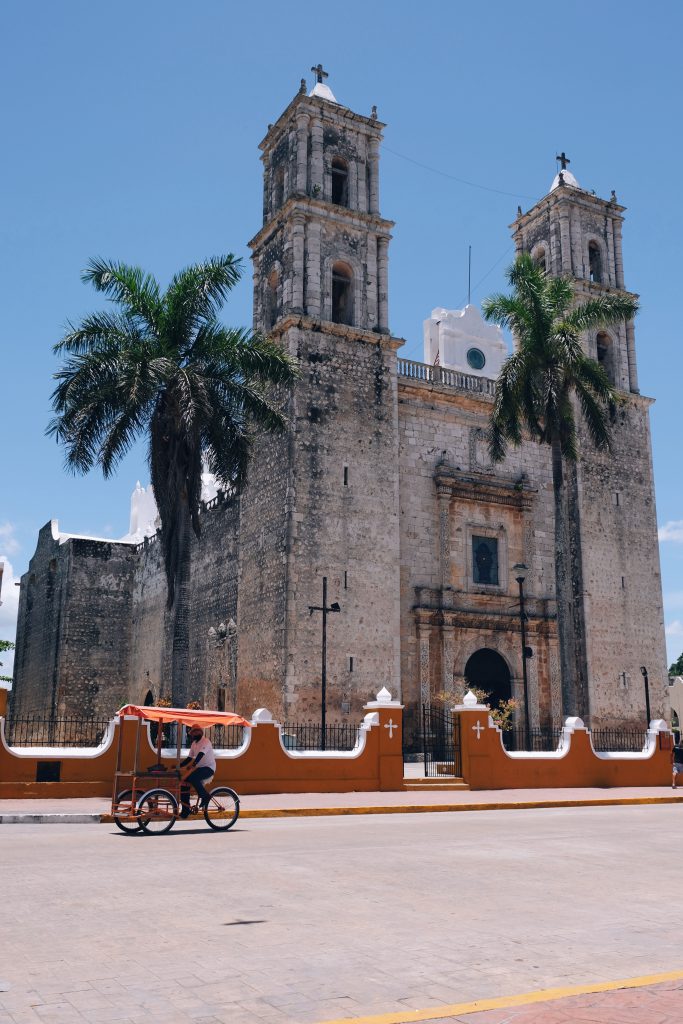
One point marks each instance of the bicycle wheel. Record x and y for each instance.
(126, 826)
(158, 811)
(224, 805)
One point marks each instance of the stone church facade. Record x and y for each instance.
(382, 484)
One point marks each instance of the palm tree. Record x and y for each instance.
(162, 365)
(539, 391)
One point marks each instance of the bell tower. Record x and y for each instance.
(322, 501)
(323, 248)
(617, 613)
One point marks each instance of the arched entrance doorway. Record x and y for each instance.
(489, 672)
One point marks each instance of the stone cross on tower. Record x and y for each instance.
(564, 160)
(320, 75)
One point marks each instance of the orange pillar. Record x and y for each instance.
(390, 724)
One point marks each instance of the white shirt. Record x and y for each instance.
(203, 746)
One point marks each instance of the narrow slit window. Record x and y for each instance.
(346, 476)
(351, 663)
(346, 580)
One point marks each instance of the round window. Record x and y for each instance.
(476, 358)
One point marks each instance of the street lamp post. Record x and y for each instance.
(643, 672)
(334, 607)
(520, 571)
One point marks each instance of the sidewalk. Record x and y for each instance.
(96, 809)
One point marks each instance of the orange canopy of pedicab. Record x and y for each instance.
(184, 716)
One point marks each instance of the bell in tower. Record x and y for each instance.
(323, 249)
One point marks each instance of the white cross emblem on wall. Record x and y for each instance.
(391, 725)
(478, 728)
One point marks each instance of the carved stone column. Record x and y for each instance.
(313, 268)
(631, 352)
(383, 283)
(371, 273)
(447, 656)
(423, 631)
(373, 162)
(298, 227)
(361, 168)
(444, 537)
(618, 258)
(301, 152)
(565, 243)
(317, 158)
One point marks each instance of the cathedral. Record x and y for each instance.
(380, 495)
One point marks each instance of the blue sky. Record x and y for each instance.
(131, 132)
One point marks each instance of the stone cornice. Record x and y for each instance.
(316, 106)
(307, 323)
(305, 206)
(568, 194)
(537, 623)
(477, 487)
(427, 391)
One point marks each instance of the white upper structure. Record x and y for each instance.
(567, 179)
(144, 515)
(460, 339)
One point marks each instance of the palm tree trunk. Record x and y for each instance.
(578, 608)
(179, 614)
(563, 585)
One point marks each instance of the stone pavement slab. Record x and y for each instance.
(298, 921)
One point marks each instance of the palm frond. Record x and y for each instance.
(101, 330)
(604, 311)
(136, 291)
(196, 295)
(595, 415)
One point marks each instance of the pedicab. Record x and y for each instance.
(148, 799)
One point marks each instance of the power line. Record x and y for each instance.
(453, 177)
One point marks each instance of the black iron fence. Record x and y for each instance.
(222, 737)
(539, 739)
(547, 739)
(618, 740)
(66, 731)
(309, 736)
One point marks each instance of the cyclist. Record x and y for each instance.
(203, 760)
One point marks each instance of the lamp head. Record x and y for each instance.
(643, 670)
(334, 607)
(519, 571)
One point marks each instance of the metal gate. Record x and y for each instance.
(441, 742)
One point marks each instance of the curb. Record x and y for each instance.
(325, 812)
(50, 819)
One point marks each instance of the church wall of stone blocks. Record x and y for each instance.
(382, 484)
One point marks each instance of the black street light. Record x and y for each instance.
(643, 672)
(334, 607)
(520, 570)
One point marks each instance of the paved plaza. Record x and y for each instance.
(315, 919)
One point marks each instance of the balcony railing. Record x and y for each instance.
(445, 377)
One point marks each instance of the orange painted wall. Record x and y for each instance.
(264, 767)
(487, 765)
